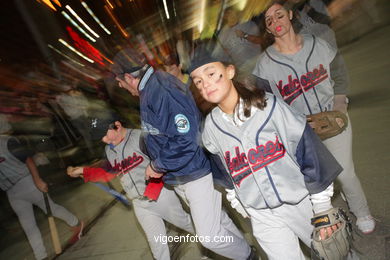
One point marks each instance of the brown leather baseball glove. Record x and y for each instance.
(328, 124)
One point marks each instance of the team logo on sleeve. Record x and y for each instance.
(182, 123)
(2, 159)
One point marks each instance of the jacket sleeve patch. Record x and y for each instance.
(182, 123)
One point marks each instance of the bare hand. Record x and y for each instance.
(340, 103)
(311, 123)
(328, 231)
(74, 172)
(41, 185)
(150, 173)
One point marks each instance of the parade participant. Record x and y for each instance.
(19, 178)
(280, 169)
(314, 19)
(240, 41)
(297, 69)
(127, 160)
(171, 119)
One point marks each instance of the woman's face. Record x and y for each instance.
(213, 80)
(277, 20)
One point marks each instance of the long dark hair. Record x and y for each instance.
(269, 39)
(250, 94)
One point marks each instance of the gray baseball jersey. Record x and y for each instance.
(128, 159)
(243, 53)
(304, 82)
(16, 180)
(11, 169)
(338, 68)
(260, 155)
(302, 79)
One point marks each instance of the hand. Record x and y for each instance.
(150, 173)
(326, 232)
(231, 197)
(230, 194)
(340, 103)
(41, 185)
(74, 172)
(311, 123)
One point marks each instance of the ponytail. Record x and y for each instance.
(251, 96)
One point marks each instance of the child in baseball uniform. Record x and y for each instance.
(314, 19)
(19, 178)
(280, 169)
(171, 123)
(298, 69)
(128, 161)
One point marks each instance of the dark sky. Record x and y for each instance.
(16, 42)
(19, 46)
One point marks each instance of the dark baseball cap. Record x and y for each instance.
(128, 61)
(98, 126)
(205, 53)
(201, 57)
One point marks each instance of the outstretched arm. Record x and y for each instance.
(90, 174)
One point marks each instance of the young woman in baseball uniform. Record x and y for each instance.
(298, 69)
(127, 160)
(280, 169)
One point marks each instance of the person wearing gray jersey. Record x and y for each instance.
(127, 161)
(240, 41)
(297, 69)
(171, 123)
(314, 18)
(280, 170)
(20, 179)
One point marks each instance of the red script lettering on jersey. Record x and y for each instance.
(128, 163)
(243, 165)
(295, 87)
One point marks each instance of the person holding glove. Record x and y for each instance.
(280, 170)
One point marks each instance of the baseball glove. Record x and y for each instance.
(338, 245)
(328, 124)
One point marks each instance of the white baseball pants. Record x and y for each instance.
(211, 221)
(22, 196)
(278, 230)
(341, 148)
(151, 216)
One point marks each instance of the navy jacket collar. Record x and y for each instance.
(145, 78)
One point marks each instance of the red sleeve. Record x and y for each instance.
(97, 175)
(153, 189)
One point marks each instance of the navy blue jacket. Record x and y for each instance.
(172, 121)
